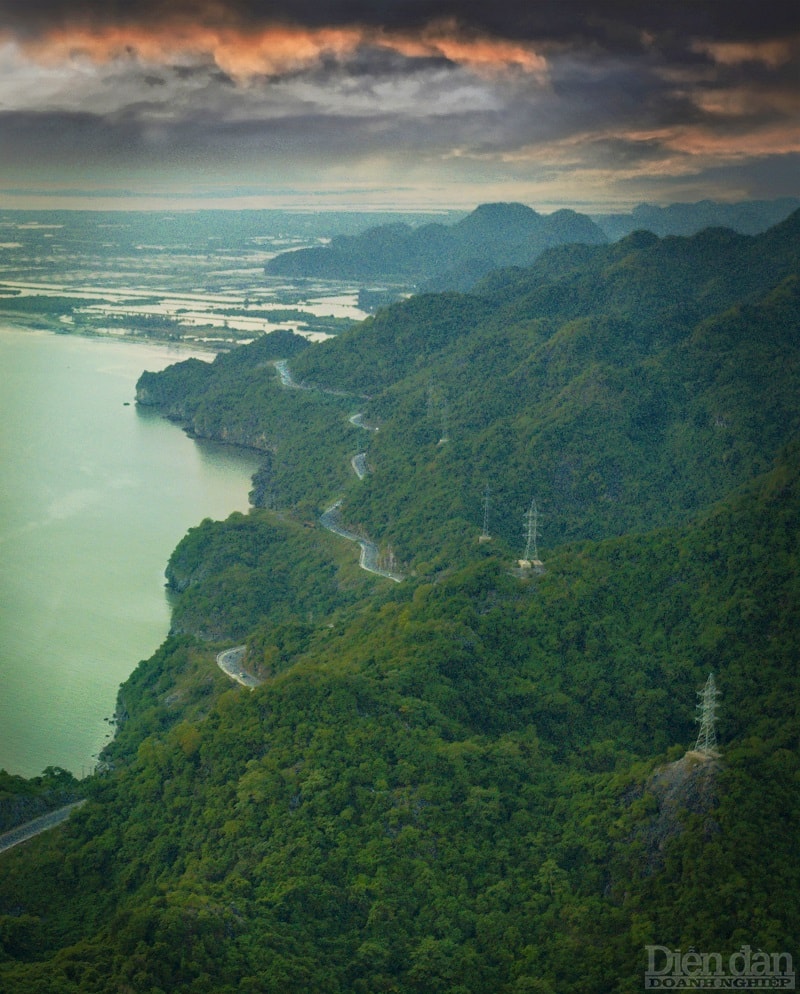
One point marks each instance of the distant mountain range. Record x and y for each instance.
(437, 256)
(748, 217)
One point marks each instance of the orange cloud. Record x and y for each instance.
(679, 150)
(696, 146)
(773, 53)
(244, 54)
(745, 101)
(479, 53)
(774, 140)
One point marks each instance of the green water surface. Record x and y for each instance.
(94, 495)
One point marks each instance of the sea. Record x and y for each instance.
(94, 495)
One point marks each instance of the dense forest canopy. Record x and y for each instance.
(481, 778)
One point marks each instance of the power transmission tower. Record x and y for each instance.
(531, 532)
(707, 718)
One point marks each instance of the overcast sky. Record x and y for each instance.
(406, 103)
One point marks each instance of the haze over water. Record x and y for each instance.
(94, 497)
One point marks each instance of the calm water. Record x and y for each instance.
(94, 497)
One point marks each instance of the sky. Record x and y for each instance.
(408, 104)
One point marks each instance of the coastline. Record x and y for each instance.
(187, 348)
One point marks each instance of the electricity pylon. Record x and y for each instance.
(707, 718)
(531, 517)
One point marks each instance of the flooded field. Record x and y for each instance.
(197, 278)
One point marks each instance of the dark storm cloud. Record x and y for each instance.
(587, 94)
(614, 24)
(137, 133)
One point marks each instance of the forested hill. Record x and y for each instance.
(439, 255)
(659, 286)
(481, 779)
(623, 386)
(747, 216)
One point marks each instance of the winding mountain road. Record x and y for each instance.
(230, 662)
(287, 380)
(358, 421)
(36, 826)
(370, 554)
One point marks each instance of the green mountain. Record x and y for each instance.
(593, 380)
(750, 217)
(437, 255)
(481, 778)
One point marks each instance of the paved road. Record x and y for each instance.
(32, 828)
(230, 662)
(358, 421)
(287, 380)
(368, 559)
(359, 464)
